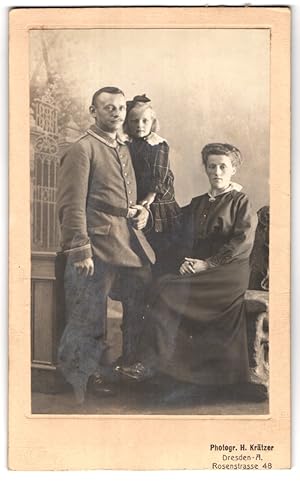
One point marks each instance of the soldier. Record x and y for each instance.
(101, 229)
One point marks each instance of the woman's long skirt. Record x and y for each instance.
(196, 326)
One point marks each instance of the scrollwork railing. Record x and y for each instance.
(44, 178)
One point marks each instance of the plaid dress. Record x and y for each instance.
(150, 158)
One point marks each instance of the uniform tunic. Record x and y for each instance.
(97, 169)
(196, 324)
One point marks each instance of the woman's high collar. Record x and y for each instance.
(233, 186)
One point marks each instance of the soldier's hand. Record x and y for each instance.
(131, 213)
(141, 218)
(85, 267)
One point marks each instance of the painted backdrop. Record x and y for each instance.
(206, 85)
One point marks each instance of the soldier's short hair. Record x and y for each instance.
(109, 90)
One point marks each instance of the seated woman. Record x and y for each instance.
(195, 327)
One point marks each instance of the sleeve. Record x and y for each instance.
(242, 238)
(72, 191)
(181, 240)
(159, 168)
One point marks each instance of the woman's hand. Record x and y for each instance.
(192, 266)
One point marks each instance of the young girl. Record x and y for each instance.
(155, 180)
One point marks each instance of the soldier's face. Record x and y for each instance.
(109, 111)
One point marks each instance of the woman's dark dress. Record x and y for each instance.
(196, 327)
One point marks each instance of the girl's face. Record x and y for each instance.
(140, 122)
(219, 170)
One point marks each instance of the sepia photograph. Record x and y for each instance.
(150, 220)
(150, 183)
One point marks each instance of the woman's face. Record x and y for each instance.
(140, 122)
(219, 170)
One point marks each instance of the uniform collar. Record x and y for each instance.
(103, 137)
(233, 186)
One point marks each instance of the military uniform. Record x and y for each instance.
(96, 189)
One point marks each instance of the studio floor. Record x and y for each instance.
(148, 400)
(158, 396)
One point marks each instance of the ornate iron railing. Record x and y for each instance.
(44, 135)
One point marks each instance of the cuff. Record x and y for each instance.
(218, 260)
(211, 262)
(80, 253)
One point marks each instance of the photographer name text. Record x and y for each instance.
(227, 457)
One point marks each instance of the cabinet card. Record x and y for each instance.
(214, 75)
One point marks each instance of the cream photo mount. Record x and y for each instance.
(141, 438)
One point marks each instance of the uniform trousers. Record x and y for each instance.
(82, 346)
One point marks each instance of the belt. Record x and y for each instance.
(108, 208)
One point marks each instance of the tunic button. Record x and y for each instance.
(123, 164)
(125, 173)
(129, 192)
(128, 182)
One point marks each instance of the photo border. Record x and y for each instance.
(162, 441)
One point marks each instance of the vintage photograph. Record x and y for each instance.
(149, 255)
(149, 168)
